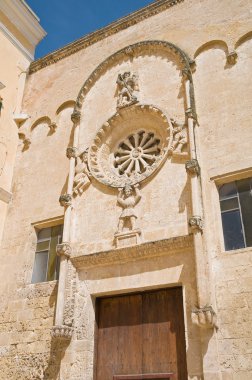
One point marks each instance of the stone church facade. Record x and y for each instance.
(126, 250)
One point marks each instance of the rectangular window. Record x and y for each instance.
(46, 263)
(236, 213)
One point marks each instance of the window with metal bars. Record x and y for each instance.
(236, 213)
(46, 263)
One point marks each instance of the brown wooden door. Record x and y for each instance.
(141, 336)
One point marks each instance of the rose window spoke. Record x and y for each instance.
(137, 152)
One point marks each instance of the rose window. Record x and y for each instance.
(136, 153)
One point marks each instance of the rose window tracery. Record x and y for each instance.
(136, 153)
(130, 146)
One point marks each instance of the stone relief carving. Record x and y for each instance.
(71, 152)
(179, 137)
(192, 167)
(128, 200)
(26, 141)
(127, 85)
(196, 223)
(135, 153)
(62, 332)
(82, 173)
(124, 153)
(65, 200)
(232, 58)
(204, 317)
(64, 249)
(70, 292)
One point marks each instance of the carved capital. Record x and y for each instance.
(62, 332)
(186, 73)
(75, 117)
(204, 317)
(196, 223)
(65, 200)
(64, 249)
(71, 152)
(232, 58)
(192, 167)
(190, 114)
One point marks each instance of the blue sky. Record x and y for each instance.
(68, 20)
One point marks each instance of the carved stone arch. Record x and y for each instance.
(213, 44)
(46, 120)
(130, 51)
(243, 39)
(67, 104)
(231, 56)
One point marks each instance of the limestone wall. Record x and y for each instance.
(223, 139)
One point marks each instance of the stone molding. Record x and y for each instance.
(62, 332)
(196, 223)
(64, 249)
(204, 317)
(113, 28)
(135, 252)
(192, 167)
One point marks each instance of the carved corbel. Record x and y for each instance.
(232, 58)
(26, 141)
(196, 223)
(65, 200)
(192, 167)
(52, 126)
(204, 317)
(64, 249)
(62, 332)
(71, 152)
(75, 117)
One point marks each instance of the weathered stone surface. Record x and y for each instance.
(168, 253)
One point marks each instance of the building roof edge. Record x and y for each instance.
(98, 35)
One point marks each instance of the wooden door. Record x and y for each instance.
(141, 336)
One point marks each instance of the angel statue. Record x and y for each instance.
(179, 137)
(82, 174)
(127, 84)
(128, 200)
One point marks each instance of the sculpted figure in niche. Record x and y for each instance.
(128, 197)
(127, 84)
(179, 137)
(82, 174)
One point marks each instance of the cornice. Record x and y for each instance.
(113, 28)
(20, 14)
(133, 253)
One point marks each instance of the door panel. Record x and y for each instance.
(141, 335)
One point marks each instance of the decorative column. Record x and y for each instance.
(196, 220)
(60, 330)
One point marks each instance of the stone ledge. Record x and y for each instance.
(135, 252)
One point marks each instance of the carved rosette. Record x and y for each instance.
(204, 317)
(64, 249)
(65, 200)
(192, 167)
(62, 332)
(130, 146)
(71, 152)
(196, 223)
